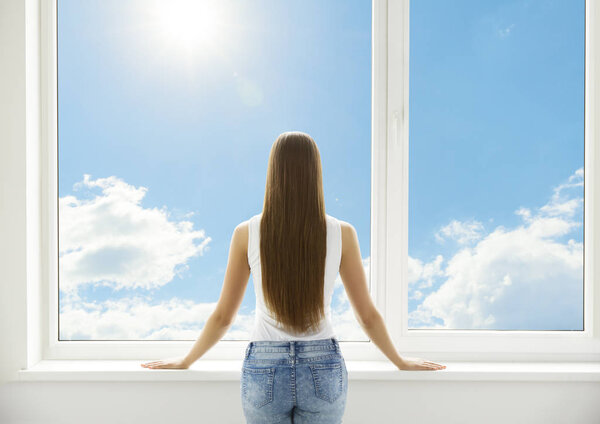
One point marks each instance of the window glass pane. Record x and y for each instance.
(167, 112)
(496, 164)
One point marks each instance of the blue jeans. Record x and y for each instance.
(294, 382)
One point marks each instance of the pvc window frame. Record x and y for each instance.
(389, 223)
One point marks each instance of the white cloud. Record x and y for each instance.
(110, 239)
(138, 318)
(423, 274)
(133, 318)
(561, 203)
(522, 278)
(415, 294)
(462, 232)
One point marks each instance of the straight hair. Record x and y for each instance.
(293, 234)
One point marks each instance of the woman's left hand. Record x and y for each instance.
(174, 363)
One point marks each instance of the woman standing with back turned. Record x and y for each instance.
(293, 369)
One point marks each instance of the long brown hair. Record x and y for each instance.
(293, 234)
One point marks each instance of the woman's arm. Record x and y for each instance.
(355, 282)
(232, 294)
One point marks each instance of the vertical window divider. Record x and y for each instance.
(397, 169)
(378, 273)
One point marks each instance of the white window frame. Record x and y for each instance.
(487, 345)
(389, 227)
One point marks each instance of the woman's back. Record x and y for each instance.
(294, 251)
(265, 326)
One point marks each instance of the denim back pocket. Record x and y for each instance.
(257, 385)
(328, 380)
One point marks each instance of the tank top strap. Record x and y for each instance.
(254, 240)
(335, 241)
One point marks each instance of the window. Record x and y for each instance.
(120, 144)
(496, 165)
(166, 114)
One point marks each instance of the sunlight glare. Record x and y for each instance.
(188, 22)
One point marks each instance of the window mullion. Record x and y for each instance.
(397, 167)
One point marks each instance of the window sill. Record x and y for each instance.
(213, 370)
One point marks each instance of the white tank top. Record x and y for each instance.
(265, 326)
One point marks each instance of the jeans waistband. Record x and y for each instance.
(292, 346)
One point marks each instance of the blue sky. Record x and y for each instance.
(496, 113)
(174, 126)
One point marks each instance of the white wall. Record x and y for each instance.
(409, 402)
(198, 402)
(13, 278)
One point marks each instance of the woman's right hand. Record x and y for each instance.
(418, 364)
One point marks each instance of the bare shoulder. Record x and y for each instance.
(243, 227)
(240, 235)
(348, 234)
(346, 226)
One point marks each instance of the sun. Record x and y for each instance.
(188, 23)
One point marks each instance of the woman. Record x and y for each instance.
(293, 369)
